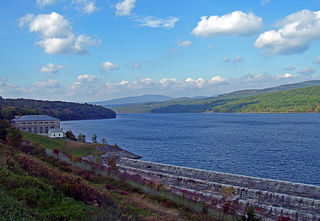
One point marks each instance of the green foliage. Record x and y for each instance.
(14, 136)
(285, 98)
(69, 147)
(4, 126)
(58, 109)
(250, 215)
(94, 138)
(112, 163)
(70, 135)
(104, 141)
(82, 138)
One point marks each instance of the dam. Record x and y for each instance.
(274, 198)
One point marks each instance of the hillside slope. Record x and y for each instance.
(133, 100)
(206, 105)
(302, 100)
(62, 110)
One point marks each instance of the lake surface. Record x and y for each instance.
(276, 146)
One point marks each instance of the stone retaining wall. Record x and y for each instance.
(295, 200)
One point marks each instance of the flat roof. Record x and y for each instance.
(35, 118)
(60, 130)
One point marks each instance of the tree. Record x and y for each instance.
(82, 138)
(14, 137)
(70, 135)
(94, 138)
(4, 125)
(250, 216)
(112, 163)
(104, 141)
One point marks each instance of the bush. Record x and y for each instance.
(14, 136)
(70, 135)
(112, 163)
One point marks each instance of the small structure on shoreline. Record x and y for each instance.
(55, 133)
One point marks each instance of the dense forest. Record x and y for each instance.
(62, 110)
(301, 100)
(188, 105)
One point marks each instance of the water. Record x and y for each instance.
(276, 146)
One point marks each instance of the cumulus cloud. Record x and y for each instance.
(86, 6)
(236, 23)
(125, 7)
(264, 2)
(51, 68)
(42, 3)
(225, 59)
(184, 43)
(89, 87)
(306, 71)
(237, 59)
(155, 22)
(317, 60)
(296, 33)
(290, 68)
(137, 65)
(57, 34)
(286, 75)
(109, 66)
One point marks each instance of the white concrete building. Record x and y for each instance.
(55, 133)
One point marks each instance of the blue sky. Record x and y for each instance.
(90, 50)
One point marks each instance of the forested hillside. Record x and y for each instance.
(62, 110)
(302, 100)
(221, 103)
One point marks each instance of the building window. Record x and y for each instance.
(35, 130)
(35, 122)
(46, 129)
(51, 127)
(23, 128)
(41, 130)
(29, 129)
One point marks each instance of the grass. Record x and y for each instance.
(63, 145)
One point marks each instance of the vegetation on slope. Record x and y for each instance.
(297, 100)
(61, 110)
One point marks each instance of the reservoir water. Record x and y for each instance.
(276, 146)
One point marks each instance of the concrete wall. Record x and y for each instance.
(276, 198)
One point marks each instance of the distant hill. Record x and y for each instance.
(133, 100)
(207, 104)
(302, 100)
(62, 110)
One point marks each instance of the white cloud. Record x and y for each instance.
(184, 43)
(137, 65)
(217, 80)
(225, 59)
(57, 34)
(46, 83)
(109, 66)
(286, 75)
(236, 23)
(125, 7)
(86, 6)
(290, 68)
(42, 3)
(264, 2)
(297, 32)
(317, 60)
(306, 71)
(237, 59)
(155, 22)
(210, 46)
(51, 68)
(89, 87)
